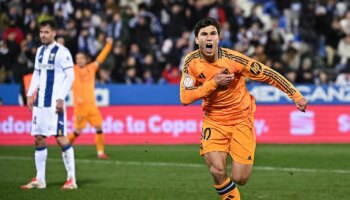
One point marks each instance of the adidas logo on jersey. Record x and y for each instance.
(201, 76)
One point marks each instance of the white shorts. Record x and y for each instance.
(46, 122)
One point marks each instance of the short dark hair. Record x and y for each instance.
(204, 23)
(49, 22)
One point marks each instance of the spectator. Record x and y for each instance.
(225, 36)
(141, 32)
(305, 72)
(176, 16)
(323, 77)
(343, 79)
(131, 77)
(343, 51)
(86, 43)
(13, 31)
(118, 29)
(28, 17)
(160, 31)
(5, 63)
(150, 64)
(333, 36)
(171, 74)
(274, 42)
(148, 77)
(118, 57)
(65, 7)
(104, 76)
(259, 54)
(291, 57)
(345, 23)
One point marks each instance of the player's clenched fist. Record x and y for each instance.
(223, 77)
(302, 104)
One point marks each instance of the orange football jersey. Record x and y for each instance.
(84, 82)
(233, 103)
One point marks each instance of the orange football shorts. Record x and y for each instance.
(84, 114)
(238, 140)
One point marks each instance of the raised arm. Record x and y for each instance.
(105, 51)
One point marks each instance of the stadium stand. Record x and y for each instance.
(307, 41)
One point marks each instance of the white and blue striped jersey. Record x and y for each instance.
(51, 63)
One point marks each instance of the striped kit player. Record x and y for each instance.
(52, 79)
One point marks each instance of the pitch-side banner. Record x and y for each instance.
(182, 125)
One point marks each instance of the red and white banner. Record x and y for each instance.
(182, 125)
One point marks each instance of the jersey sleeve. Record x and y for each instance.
(36, 61)
(190, 90)
(66, 84)
(65, 59)
(104, 53)
(257, 71)
(34, 83)
(101, 57)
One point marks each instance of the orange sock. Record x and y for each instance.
(99, 143)
(228, 190)
(72, 137)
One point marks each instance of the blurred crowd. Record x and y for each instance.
(308, 41)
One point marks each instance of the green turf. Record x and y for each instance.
(147, 172)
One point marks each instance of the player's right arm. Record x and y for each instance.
(34, 83)
(190, 90)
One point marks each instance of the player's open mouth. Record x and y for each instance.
(209, 47)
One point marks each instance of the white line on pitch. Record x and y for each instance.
(166, 164)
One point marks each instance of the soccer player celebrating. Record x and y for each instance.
(85, 108)
(216, 75)
(53, 77)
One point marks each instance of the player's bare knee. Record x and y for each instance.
(240, 179)
(218, 172)
(40, 141)
(77, 132)
(62, 140)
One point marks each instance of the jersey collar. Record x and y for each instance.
(219, 55)
(50, 46)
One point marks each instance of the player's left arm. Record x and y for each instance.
(257, 71)
(104, 53)
(66, 62)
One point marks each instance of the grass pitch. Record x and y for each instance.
(281, 172)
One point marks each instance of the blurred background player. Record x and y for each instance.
(53, 77)
(85, 107)
(217, 75)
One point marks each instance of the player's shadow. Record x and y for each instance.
(81, 183)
